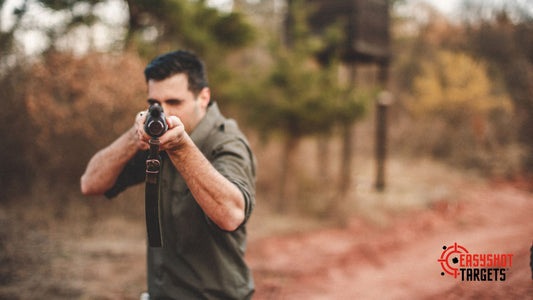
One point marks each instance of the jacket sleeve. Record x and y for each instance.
(235, 161)
(133, 173)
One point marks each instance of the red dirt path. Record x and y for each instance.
(399, 260)
(395, 259)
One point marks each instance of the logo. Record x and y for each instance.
(458, 262)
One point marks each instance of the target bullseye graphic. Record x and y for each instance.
(449, 259)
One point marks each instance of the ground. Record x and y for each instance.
(379, 250)
(400, 260)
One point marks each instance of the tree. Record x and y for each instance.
(186, 23)
(151, 27)
(456, 89)
(77, 106)
(503, 37)
(493, 39)
(301, 97)
(17, 133)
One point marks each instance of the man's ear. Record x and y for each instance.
(204, 97)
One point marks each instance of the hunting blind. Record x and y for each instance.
(366, 26)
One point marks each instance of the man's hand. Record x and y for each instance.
(105, 166)
(172, 139)
(139, 130)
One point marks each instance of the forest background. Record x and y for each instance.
(462, 86)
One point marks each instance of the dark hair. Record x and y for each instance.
(177, 62)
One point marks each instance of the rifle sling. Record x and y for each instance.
(152, 195)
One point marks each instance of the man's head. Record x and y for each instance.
(177, 81)
(178, 62)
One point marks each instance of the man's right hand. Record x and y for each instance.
(140, 134)
(105, 166)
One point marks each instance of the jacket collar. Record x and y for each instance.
(212, 118)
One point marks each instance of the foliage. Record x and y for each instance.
(504, 39)
(186, 24)
(7, 35)
(64, 18)
(480, 114)
(299, 96)
(301, 93)
(151, 27)
(292, 100)
(455, 86)
(16, 131)
(468, 115)
(78, 105)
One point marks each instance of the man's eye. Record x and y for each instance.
(173, 102)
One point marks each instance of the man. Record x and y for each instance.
(207, 185)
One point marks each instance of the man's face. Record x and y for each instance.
(176, 100)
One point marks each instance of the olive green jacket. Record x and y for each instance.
(199, 260)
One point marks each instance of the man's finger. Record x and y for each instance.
(173, 121)
(144, 145)
(141, 116)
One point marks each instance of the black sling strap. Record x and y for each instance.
(152, 205)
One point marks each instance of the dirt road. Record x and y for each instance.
(396, 258)
(400, 260)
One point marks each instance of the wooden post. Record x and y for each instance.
(383, 102)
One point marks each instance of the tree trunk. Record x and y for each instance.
(323, 154)
(286, 183)
(336, 206)
(346, 161)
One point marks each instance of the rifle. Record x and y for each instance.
(155, 126)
